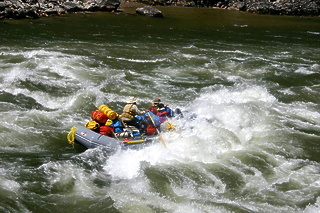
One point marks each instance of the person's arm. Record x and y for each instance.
(163, 113)
(137, 111)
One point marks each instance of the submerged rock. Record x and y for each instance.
(149, 11)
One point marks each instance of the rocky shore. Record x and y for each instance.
(17, 9)
(272, 7)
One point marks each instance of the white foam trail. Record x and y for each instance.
(243, 25)
(303, 70)
(57, 70)
(226, 120)
(313, 208)
(315, 33)
(137, 60)
(10, 186)
(127, 164)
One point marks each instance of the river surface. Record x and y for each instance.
(248, 86)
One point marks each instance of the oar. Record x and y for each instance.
(160, 137)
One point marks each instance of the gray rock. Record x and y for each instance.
(72, 6)
(149, 11)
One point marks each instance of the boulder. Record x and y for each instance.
(72, 6)
(149, 11)
(102, 5)
(109, 5)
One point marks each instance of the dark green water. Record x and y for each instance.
(250, 82)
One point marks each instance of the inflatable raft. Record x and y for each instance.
(90, 139)
(107, 130)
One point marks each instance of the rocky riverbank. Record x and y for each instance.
(273, 7)
(18, 9)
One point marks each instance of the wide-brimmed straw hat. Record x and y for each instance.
(132, 100)
(156, 100)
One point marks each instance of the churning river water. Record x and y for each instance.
(248, 85)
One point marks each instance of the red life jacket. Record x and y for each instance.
(106, 130)
(151, 130)
(153, 109)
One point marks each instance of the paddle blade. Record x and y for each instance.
(163, 142)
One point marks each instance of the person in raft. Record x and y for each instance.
(154, 107)
(129, 113)
(161, 110)
(164, 111)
